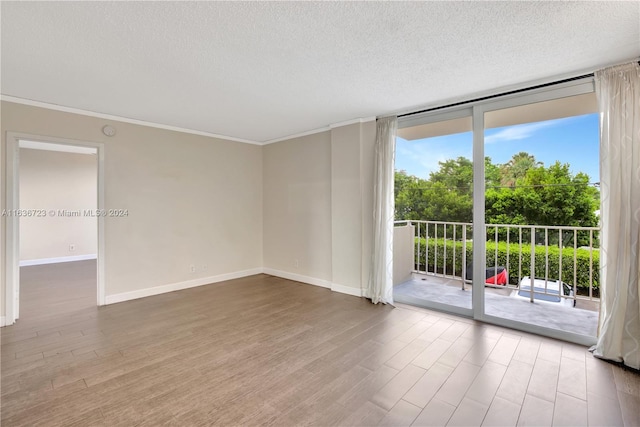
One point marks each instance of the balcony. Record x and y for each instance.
(433, 265)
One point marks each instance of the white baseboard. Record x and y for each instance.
(156, 290)
(356, 292)
(313, 281)
(297, 277)
(41, 261)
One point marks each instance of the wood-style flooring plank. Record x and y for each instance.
(436, 413)
(266, 351)
(502, 413)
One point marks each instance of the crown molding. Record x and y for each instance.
(351, 122)
(297, 135)
(56, 107)
(322, 129)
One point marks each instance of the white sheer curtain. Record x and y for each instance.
(618, 91)
(380, 288)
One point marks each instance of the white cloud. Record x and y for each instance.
(517, 132)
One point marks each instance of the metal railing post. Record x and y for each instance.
(495, 258)
(560, 260)
(546, 259)
(419, 246)
(435, 249)
(519, 254)
(508, 253)
(444, 250)
(464, 255)
(533, 262)
(590, 266)
(453, 274)
(575, 262)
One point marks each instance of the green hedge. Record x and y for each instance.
(582, 277)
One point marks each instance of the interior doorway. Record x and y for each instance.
(55, 227)
(58, 231)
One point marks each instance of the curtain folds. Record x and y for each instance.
(380, 286)
(618, 91)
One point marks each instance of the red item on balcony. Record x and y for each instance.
(493, 275)
(499, 279)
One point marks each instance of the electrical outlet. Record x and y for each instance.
(192, 268)
(72, 248)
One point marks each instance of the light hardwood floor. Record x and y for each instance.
(268, 351)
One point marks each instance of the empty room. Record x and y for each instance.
(320, 213)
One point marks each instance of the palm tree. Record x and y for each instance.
(517, 168)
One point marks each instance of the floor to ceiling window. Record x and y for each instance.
(434, 197)
(503, 200)
(541, 213)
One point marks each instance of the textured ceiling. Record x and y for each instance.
(262, 71)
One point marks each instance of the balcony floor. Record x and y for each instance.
(498, 303)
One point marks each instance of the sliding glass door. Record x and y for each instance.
(497, 209)
(434, 210)
(541, 208)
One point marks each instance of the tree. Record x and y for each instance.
(517, 168)
(536, 195)
(446, 196)
(546, 196)
(402, 180)
(457, 174)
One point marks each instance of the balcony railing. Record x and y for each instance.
(563, 254)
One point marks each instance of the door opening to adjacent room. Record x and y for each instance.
(58, 233)
(55, 232)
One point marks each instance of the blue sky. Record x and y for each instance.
(573, 140)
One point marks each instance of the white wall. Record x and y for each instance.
(53, 180)
(297, 208)
(318, 198)
(300, 208)
(191, 199)
(352, 156)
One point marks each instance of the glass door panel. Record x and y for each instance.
(542, 214)
(434, 212)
